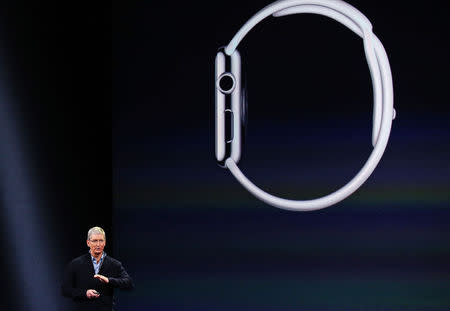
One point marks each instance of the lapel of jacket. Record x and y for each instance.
(104, 263)
(90, 264)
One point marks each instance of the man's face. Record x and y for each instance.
(96, 244)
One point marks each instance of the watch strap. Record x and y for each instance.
(382, 89)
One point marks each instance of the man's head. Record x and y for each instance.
(96, 240)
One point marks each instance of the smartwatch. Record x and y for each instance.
(230, 102)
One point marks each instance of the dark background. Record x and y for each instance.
(111, 111)
(56, 96)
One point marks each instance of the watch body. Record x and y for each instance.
(229, 107)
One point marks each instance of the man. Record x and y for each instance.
(90, 279)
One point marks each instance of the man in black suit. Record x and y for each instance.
(90, 279)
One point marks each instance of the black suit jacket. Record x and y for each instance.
(79, 277)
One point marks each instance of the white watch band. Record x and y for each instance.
(381, 76)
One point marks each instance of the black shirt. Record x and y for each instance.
(79, 277)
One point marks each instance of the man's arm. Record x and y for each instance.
(67, 287)
(123, 281)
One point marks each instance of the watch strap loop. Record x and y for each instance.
(380, 72)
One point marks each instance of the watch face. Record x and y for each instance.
(229, 107)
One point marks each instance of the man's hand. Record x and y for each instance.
(102, 278)
(92, 293)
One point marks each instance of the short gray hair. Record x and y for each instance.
(95, 230)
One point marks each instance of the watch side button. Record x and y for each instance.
(229, 126)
